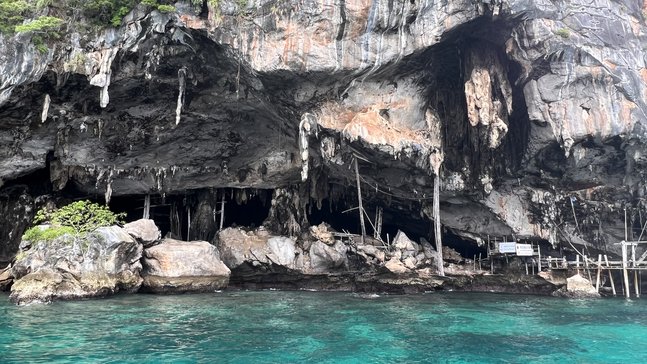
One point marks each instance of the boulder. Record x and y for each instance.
(144, 231)
(5, 278)
(373, 252)
(407, 246)
(325, 258)
(239, 247)
(175, 266)
(580, 287)
(322, 233)
(394, 265)
(96, 264)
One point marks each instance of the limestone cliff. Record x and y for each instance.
(532, 112)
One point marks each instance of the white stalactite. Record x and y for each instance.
(102, 79)
(181, 75)
(307, 125)
(43, 116)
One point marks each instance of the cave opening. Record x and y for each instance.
(465, 247)
(343, 217)
(250, 212)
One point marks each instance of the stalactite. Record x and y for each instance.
(306, 127)
(181, 75)
(102, 79)
(43, 115)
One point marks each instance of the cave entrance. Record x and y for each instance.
(247, 208)
(465, 247)
(344, 217)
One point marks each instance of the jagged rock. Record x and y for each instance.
(144, 231)
(99, 264)
(325, 258)
(396, 266)
(175, 266)
(451, 255)
(323, 234)
(405, 245)
(578, 287)
(410, 262)
(238, 247)
(372, 251)
(5, 278)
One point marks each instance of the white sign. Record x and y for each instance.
(524, 250)
(507, 248)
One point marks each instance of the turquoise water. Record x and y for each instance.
(296, 327)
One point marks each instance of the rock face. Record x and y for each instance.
(5, 278)
(179, 266)
(535, 109)
(144, 231)
(100, 264)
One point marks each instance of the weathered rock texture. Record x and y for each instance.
(100, 264)
(144, 231)
(183, 266)
(536, 109)
(578, 287)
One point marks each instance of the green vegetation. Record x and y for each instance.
(12, 13)
(43, 24)
(563, 32)
(77, 218)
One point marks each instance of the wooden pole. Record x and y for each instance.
(378, 223)
(626, 238)
(539, 260)
(437, 227)
(588, 271)
(613, 286)
(597, 280)
(577, 263)
(474, 262)
(188, 225)
(636, 285)
(526, 267)
(222, 210)
(147, 207)
(491, 265)
(480, 268)
(359, 199)
(624, 270)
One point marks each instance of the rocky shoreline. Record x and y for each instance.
(135, 258)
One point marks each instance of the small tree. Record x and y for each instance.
(77, 218)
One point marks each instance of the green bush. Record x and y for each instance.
(77, 218)
(43, 24)
(81, 216)
(38, 233)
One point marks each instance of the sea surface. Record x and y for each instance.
(320, 327)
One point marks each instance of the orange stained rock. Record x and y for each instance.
(370, 126)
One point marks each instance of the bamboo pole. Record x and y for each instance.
(539, 260)
(475, 262)
(597, 280)
(636, 285)
(147, 207)
(359, 199)
(188, 225)
(437, 227)
(613, 286)
(624, 269)
(577, 263)
(480, 267)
